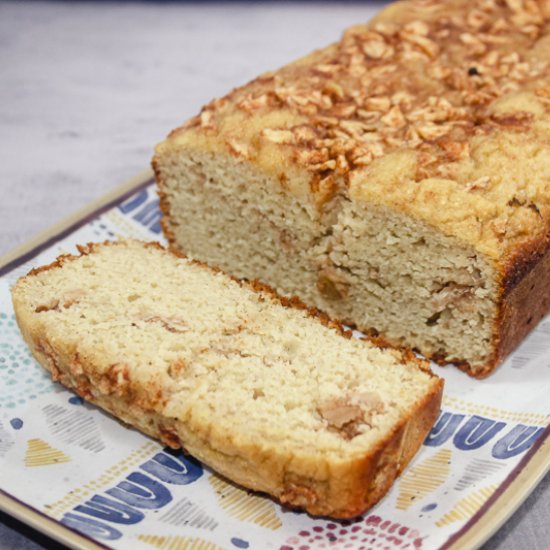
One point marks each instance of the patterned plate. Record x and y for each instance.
(75, 473)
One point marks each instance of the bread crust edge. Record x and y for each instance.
(524, 296)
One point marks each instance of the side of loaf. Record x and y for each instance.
(266, 392)
(397, 180)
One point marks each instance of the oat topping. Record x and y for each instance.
(480, 183)
(238, 147)
(370, 94)
(430, 77)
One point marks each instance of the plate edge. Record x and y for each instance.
(8, 503)
(44, 524)
(507, 498)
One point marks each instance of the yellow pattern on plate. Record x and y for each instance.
(501, 414)
(424, 478)
(177, 543)
(244, 506)
(467, 506)
(40, 453)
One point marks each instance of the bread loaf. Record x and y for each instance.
(397, 180)
(267, 393)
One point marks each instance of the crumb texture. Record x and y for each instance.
(267, 394)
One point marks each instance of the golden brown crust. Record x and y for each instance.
(524, 259)
(166, 221)
(525, 302)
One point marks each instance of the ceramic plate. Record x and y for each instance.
(78, 475)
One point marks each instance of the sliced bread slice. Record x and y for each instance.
(272, 395)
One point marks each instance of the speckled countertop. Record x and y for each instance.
(87, 89)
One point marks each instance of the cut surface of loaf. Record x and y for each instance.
(397, 180)
(262, 390)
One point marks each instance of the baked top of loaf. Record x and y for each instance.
(243, 379)
(439, 109)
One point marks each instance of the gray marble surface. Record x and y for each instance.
(87, 89)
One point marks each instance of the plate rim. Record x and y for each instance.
(507, 498)
(10, 504)
(45, 524)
